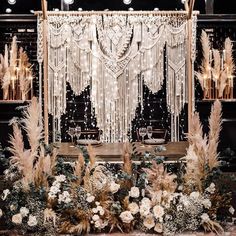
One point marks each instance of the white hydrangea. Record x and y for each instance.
(64, 197)
(6, 192)
(60, 178)
(134, 192)
(32, 221)
(24, 211)
(54, 190)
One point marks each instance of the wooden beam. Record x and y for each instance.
(45, 70)
(191, 6)
(190, 76)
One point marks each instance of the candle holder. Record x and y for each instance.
(16, 73)
(216, 74)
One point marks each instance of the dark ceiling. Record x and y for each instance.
(24, 6)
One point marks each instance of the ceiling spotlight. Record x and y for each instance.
(156, 9)
(55, 9)
(8, 10)
(80, 9)
(127, 2)
(12, 2)
(131, 9)
(68, 2)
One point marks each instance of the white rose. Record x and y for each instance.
(95, 217)
(126, 217)
(206, 203)
(101, 212)
(158, 228)
(1, 213)
(158, 211)
(114, 187)
(205, 217)
(32, 221)
(144, 210)
(24, 211)
(60, 178)
(133, 207)
(97, 203)
(134, 192)
(90, 198)
(6, 192)
(146, 201)
(195, 195)
(17, 219)
(149, 222)
(231, 210)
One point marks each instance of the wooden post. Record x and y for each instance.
(190, 66)
(45, 69)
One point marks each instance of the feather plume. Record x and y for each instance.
(33, 125)
(216, 68)
(79, 168)
(92, 157)
(49, 215)
(229, 62)
(215, 122)
(222, 83)
(127, 166)
(212, 226)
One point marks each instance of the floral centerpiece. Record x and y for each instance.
(48, 195)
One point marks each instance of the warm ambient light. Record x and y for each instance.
(68, 1)
(127, 2)
(12, 2)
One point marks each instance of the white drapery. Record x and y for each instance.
(114, 54)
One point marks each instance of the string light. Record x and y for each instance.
(12, 2)
(127, 2)
(68, 2)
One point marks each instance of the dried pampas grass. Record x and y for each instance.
(202, 154)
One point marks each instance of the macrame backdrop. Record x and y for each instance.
(115, 54)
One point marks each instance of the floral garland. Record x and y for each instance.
(83, 196)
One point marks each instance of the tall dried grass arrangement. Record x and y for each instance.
(229, 61)
(33, 164)
(216, 71)
(79, 168)
(127, 166)
(202, 154)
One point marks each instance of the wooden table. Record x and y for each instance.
(112, 152)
